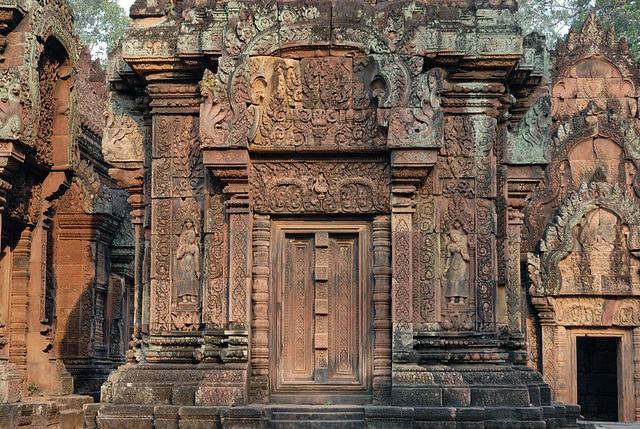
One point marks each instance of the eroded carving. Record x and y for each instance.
(123, 136)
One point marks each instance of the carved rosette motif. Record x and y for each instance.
(320, 187)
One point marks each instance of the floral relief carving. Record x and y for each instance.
(310, 103)
(320, 187)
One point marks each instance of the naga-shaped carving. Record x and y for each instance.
(215, 111)
(560, 236)
(528, 143)
(420, 126)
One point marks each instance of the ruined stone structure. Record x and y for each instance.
(66, 245)
(328, 201)
(585, 282)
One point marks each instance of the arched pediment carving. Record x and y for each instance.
(592, 140)
(594, 66)
(596, 220)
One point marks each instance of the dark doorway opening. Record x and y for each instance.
(598, 377)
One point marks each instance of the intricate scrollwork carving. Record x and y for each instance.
(320, 187)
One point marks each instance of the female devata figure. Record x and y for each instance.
(188, 265)
(455, 265)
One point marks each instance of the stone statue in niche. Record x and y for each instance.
(188, 264)
(456, 262)
(605, 255)
(601, 260)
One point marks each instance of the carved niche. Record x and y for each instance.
(455, 266)
(186, 269)
(591, 246)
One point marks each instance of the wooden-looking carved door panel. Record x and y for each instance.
(321, 313)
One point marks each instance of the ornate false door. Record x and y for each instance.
(321, 312)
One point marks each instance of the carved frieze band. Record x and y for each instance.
(320, 187)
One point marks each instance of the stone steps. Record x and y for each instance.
(312, 417)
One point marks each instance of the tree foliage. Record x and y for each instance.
(99, 24)
(554, 18)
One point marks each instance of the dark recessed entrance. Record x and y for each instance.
(598, 377)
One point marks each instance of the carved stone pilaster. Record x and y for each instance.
(546, 313)
(131, 181)
(409, 168)
(232, 168)
(515, 293)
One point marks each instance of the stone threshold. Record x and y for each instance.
(110, 416)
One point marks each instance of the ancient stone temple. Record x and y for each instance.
(583, 227)
(66, 244)
(329, 200)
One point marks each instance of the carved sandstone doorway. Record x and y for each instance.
(321, 309)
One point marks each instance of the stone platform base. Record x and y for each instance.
(56, 412)
(109, 416)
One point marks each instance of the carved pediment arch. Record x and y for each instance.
(594, 66)
(616, 204)
(593, 42)
(592, 140)
(87, 194)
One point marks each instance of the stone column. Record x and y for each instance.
(382, 309)
(131, 181)
(260, 298)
